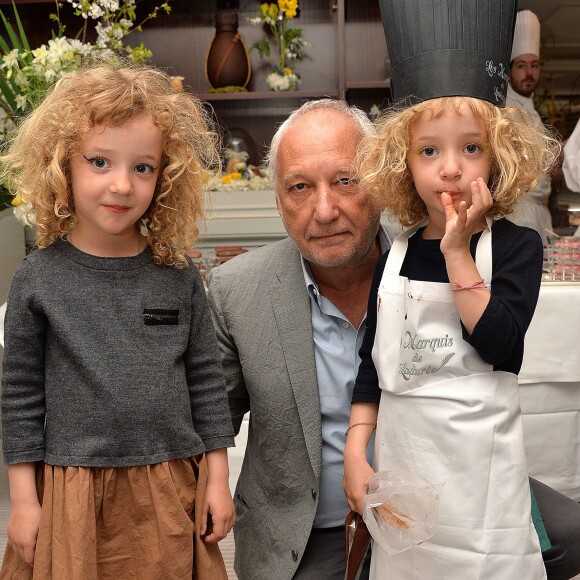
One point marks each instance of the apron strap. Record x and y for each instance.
(399, 249)
(483, 257)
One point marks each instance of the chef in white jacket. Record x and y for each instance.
(571, 165)
(524, 75)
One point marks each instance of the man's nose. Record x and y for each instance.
(326, 208)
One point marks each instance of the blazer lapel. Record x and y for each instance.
(291, 306)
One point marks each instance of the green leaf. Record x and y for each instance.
(8, 93)
(263, 48)
(20, 28)
(5, 198)
(11, 32)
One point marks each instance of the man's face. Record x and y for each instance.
(525, 74)
(333, 223)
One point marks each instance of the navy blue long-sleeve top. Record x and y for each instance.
(498, 337)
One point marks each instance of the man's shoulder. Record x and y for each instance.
(257, 269)
(260, 261)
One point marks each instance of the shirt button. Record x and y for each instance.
(313, 493)
(294, 555)
(345, 325)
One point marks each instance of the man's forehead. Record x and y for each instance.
(321, 132)
(526, 58)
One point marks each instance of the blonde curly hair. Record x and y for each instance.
(519, 151)
(37, 165)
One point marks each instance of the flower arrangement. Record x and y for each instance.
(289, 42)
(27, 73)
(253, 179)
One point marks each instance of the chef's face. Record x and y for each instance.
(525, 74)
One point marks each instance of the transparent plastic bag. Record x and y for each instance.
(401, 509)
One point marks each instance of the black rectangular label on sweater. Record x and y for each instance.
(157, 316)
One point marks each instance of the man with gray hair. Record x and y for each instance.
(290, 318)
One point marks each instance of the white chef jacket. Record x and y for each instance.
(571, 164)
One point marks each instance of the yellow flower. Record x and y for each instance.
(289, 7)
(226, 178)
(264, 9)
(17, 200)
(235, 175)
(273, 11)
(287, 71)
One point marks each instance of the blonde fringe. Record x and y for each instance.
(520, 152)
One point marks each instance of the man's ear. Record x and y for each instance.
(278, 204)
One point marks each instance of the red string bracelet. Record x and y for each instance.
(456, 286)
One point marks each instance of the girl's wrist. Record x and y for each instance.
(459, 254)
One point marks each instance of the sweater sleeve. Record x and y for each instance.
(23, 405)
(209, 405)
(366, 388)
(515, 286)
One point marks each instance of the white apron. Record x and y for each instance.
(446, 414)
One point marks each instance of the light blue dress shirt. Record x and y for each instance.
(336, 346)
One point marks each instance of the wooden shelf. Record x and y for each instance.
(266, 95)
(366, 85)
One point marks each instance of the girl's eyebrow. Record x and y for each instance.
(471, 135)
(102, 151)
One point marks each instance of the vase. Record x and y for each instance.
(227, 63)
(285, 79)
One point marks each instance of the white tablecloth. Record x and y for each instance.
(550, 389)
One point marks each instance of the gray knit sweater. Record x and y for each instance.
(109, 362)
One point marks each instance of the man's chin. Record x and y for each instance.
(336, 259)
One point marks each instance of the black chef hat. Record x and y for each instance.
(443, 48)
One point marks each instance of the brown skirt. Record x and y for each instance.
(120, 523)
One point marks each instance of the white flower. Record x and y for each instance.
(278, 82)
(24, 215)
(40, 54)
(50, 75)
(96, 12)
(10, 59)
(21, 101)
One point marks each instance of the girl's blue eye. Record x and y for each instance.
(98, 162)
(429, 151)
(144, 168)
(472, 148)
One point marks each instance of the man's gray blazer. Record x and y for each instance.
(261, 311)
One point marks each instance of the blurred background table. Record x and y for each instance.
(550, 388)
